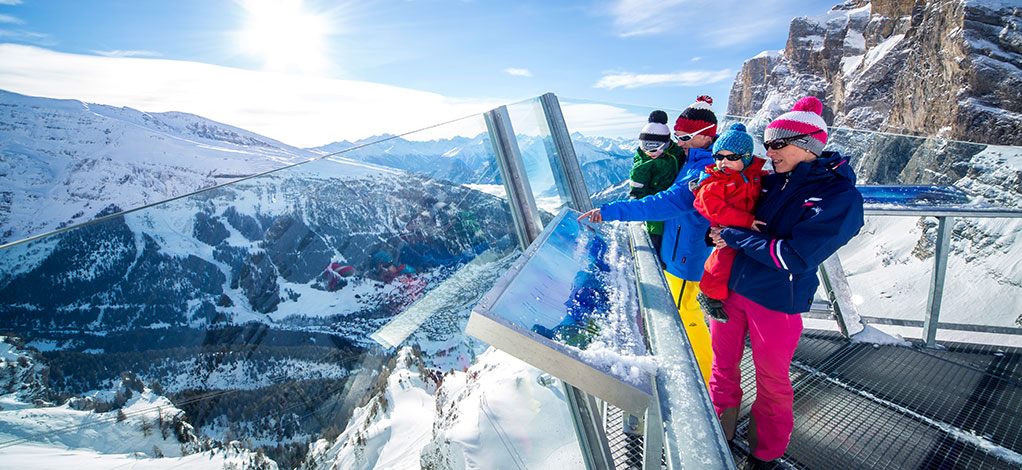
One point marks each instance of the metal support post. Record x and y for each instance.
(653, 442)
(589, 428)
(940, 258)
(523, 205)
(839, 293)
(567, 171)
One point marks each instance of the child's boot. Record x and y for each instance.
(713, 308)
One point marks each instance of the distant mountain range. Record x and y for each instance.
(65, 161)
(604, 162)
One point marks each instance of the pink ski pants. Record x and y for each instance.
(774, 336)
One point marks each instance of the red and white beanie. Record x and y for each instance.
(805, 117)
(698, 118)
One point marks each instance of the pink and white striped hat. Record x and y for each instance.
(804, 118)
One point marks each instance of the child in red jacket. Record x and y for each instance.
(726, 196)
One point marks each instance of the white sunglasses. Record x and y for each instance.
(689, 136)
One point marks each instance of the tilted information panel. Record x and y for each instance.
(568, 306)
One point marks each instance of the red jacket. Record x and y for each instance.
(728, 198)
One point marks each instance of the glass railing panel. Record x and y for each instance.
(268, 315)
(605, 137)
(906, 183)
(539, 156)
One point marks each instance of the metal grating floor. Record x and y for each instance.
(876, 407)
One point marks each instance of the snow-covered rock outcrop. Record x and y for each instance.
(950, 69)
(946, 68)
(125, 424)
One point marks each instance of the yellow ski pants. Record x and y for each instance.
(684, 293)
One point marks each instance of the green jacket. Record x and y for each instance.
(652, 175)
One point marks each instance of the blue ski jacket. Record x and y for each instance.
(683, 249)
(810, 212)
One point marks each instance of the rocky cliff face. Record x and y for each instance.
(945, 68)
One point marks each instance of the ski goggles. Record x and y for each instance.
(653, 146)
(778, 144)
(689, 136)
(733, 157)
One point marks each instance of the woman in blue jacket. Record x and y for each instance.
(811, 208)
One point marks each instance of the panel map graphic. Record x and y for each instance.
(569, 306)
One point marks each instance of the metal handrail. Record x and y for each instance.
(945, 221)
(936, 211)
(692, 435)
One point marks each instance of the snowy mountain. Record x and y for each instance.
(947, 68)
(249, 251)
(231, 290)
(62, 162)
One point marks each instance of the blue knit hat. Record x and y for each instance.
(737, 141)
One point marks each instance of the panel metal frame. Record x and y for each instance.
(839, 293)
(936, 294)
(567, 171)
(524, 213)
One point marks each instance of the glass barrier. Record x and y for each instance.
(260, 320)
(539, 156)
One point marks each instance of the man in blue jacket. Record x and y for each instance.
(684, 249)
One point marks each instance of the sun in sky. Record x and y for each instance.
(285, 36)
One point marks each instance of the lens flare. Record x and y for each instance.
(285, 36)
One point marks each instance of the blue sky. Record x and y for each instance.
(446, 58)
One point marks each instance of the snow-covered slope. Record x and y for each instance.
(499, 413)
(64, 161)
(126, 424)
(252, 250)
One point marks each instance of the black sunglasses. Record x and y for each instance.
(733, 157)
(778, 144)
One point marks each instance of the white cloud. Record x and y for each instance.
(599, 119)
(121, 53)
(10, 19)
(689, 78)
(739, 33)
(26, 36)
(705, 19)
(645, 17)
(696, 59)
(518, 72)
(10, 2)
(298, 110)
